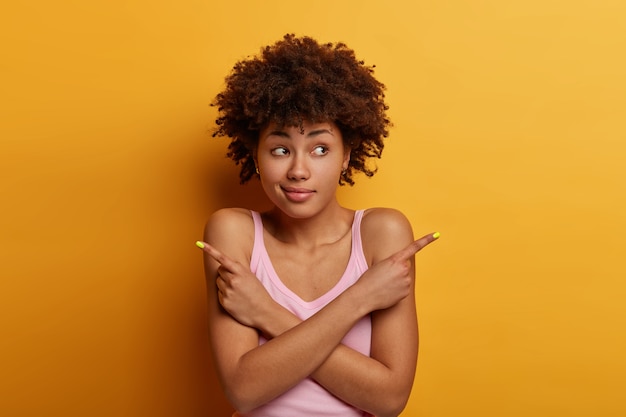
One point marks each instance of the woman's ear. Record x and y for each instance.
(346, 158)
(255, 160)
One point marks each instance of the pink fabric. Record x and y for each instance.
(308, 398)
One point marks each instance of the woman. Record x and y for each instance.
(312, 306)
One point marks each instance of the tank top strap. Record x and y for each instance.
(259, 246)
(357, 243)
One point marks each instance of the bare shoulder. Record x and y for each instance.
(231, 230)
(384, 231)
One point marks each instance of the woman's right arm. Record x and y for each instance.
(252, 375)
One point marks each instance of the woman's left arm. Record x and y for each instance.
(379, 384)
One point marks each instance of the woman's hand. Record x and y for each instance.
(389, 281)
(240, 292)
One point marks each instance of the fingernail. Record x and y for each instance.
(200, 244)
(436, 235)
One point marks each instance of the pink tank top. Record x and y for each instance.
(308, 398)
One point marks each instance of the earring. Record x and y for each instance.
(257, 170)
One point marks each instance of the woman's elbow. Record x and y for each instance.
(392, 406)
(240, 401)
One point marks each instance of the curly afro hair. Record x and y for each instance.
(296, 80)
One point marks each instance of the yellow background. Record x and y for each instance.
(509, 139)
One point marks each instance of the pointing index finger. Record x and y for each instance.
(222, 259)
(417, 245)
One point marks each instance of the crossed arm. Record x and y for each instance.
(239, 306)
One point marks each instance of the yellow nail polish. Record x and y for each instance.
(200, 244)
(436, 235)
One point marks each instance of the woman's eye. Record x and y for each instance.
(320, 150)
(280, 151)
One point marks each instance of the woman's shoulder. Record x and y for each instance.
(384, 231)
(382, 219)
(230, 227)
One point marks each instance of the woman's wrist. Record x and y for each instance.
(357, 299)
(276, 321)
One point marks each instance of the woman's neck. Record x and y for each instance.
(324, 228)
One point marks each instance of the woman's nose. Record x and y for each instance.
(299, 169)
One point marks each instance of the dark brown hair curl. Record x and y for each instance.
(298, 79)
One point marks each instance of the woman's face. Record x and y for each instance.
(300, 167)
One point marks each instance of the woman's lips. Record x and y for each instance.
(297, 195)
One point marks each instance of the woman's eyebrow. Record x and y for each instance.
(279, 133)
(318, 132)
